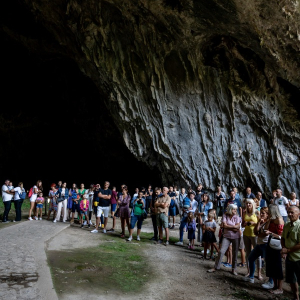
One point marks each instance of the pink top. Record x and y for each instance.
(235, 219)
(84, 206)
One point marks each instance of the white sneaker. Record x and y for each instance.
(104, 230)
(30, 219)
(84, 223)
(248, 279)
(54, 221)
(94, 231)
(36, 219)
(268, 285)
(138, 238)
(179, 244)
(40, 219)
(91, 222)
(207, 251)
(129, 239)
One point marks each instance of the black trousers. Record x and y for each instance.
(154, 223)
(18, 205)
(7, 206)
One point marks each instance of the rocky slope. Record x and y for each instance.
(208, 91)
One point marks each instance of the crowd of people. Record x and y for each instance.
(264, 232)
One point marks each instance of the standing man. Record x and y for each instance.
(103, 206)
(262, 202)
(249, 194)
(282, 203)
(162, 204)
(182, 196)
(172, 207)
(6, 198)
(290, 242)
(157, 194)
(233, 200)
(183, 222)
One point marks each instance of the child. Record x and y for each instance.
(10, 186)
(39, 206)
(84, 206)
(191, 228)
(53, 204)
(186, 203)
(209, 228)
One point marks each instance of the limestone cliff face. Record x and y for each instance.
(205, 90)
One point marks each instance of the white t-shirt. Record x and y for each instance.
(281, 203)
(34, 196)
(18, 191)
(6, 196)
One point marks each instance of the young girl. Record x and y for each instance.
(84, 206)
(39, 206)
(209, 228)
(191, 228)
(53, 204)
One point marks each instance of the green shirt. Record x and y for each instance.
(81, 193)
(291, 235)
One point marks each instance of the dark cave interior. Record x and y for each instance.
(53, 122)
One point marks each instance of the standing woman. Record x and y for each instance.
(231, 225)
(38, 188)
(18, 201)
(62, 193)
(220, 198)
(293, 201)
(81, 192)
(273, 257)
(204, 206)
(70, 200)
(124, 214)
(90, 194)
(250, 220)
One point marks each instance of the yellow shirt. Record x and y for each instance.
(249, 230)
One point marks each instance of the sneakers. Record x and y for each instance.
(40, 219)
(153, 239)
(89, 226)
(227, 265)
(8, 221)
(111, 230)
(54, 221)
(102, 225)
(159, 242)
(91, 223)
(94, 231)
(172, 227)
(30, 219)
(104, 230)
(81, 226)
(268, 285)
(189, 247)
(129, 239)
(248, 279)
(179, 244)
(85, 223)
(167, 243)
(138, 238)
(72, 221)
(35, 218)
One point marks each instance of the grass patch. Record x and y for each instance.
(114, 266)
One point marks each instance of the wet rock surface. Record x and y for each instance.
(207, 91)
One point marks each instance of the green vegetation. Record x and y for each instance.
(115, 265)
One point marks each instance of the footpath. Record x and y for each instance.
(24, 272)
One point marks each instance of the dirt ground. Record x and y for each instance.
(172, 272)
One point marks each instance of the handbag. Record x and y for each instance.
(60, 199)
(117, 213)
(22, 195)
(144, 215)
(275, 243)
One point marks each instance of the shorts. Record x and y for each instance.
(113, 207)
(292, 271)
(39, 205)
(162, 220)
(75, 207)
(104, 210)
(70, 203)
(172, 211)
(82, 212)
(134, 219)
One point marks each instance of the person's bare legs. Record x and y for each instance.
(128, 225)
(160, 230)
(295, 290)
(123, 225)
(31, 208)
(114, 222)
(205, 249)
(105, 222)
(167, 233)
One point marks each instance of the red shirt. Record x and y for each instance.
(113, 199)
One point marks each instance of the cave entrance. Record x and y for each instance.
(54, 125)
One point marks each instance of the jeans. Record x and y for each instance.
(18, 205)
(59, 207)
(235, 249)
(7, 206)
(138, 219)
(251, 241)
(154, 223)
(183, 223)
(219, 209)
(258, 251)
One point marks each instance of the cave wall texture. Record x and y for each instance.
(206, 90)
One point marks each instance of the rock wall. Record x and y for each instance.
(208, 91)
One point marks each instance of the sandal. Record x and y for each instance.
(241, 265)
(211, 270)
(276, 292)
(260, 277)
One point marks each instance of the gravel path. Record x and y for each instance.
(24, 272)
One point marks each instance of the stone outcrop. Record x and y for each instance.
(208, 91)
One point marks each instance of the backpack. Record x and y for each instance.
(22, 195)
(30, 192)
